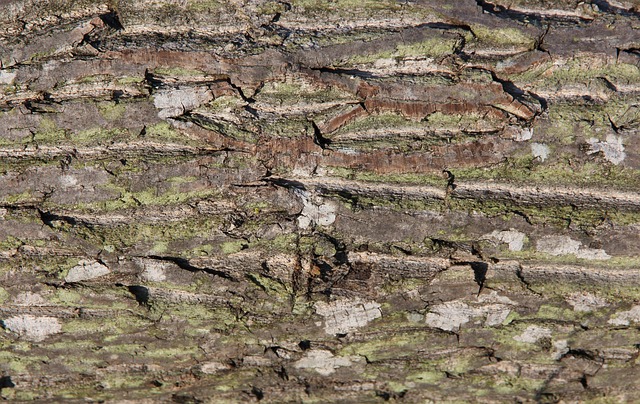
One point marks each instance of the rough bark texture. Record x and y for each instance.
(320, 201)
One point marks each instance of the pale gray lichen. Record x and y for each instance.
(540, 151)
(86, 270)
(563, 245)
(626, 317)
(315, 211)
(533, 334)
(346, 315)
(612, 148)
(324, 362)
(175, 102)
(513, 238)
(586, 302)
(450, 316)
(32, 327)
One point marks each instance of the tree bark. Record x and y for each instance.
(205, 201)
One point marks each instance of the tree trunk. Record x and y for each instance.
(319, 201)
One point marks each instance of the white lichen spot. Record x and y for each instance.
(29, 299)
(346, 315)
(175, 102)
(496, 316)
(626, 317)
(86, 270)
(563, 245)
(32, 327)
(612, 148)
(450, 316)
(213, 367)
(533, 334)
(415, 317)
(584, 301)
(540, 151)
(7, 76)
(68, 181)
(153, 270)
(494, 297)
(524, 135)
(315, 211)
(513, 238)
(324, 362)
(592, 254)
(560, 348)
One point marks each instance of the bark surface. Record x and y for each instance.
(356, 201)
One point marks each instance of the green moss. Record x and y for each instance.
(163, 131)
(548, 311)
(160, 247)
(66, 297)
(111, 110)
(347, 5)
(96, 135)
(175, 353)
(10, 243)
(225, 103)
(503, 36)
(220, 318)
(120, 324)
(281, 243)
(289, 128)
(94, 78)
(580, 69)
(380, 121)
(158, 237)
(204, 5)
(129, 80)
(17, 199)
(274, 287)
(48, 132)
(292, 93)
(232, 247)
(403, 178)
(510, 385)
(147, 197)
(4, 295)
(400, 345)
(426, 376)
(21, 363)
(178, 71)
(227, 129)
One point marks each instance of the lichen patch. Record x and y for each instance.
(324, 362)
(32, 327)
(563, 245)
(612, 148)
(450, 316)
(175, 102)
(346, 315)
(626, 317)
(584, 301)
(533, 334)
(540, 151)
(213, 367)
(153, 270)
(513, 238)
(315, 211)
(86, 270)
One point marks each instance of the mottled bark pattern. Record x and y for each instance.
(313, 201)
